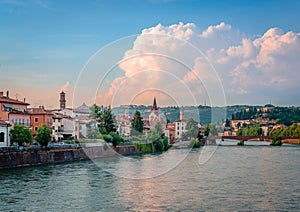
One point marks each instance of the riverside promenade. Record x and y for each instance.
(27, 158)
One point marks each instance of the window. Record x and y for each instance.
(27, 122)
(36, 119)
(2, 137)
(12, 120)
(36, 129)
(177, 133)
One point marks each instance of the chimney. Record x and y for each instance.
(1, 94)
(7, 94)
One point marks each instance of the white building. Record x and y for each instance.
(180, 125)
(4, 133)
(123, 124)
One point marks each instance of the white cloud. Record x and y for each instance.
(65, 87)
(161, 59)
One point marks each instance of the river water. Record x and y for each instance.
(234, 178)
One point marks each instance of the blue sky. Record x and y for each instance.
(44, 44)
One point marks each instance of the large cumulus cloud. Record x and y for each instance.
(199, 63)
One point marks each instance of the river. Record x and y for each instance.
(234, 178)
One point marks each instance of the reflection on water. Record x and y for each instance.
(235, 178)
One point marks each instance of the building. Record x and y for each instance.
(13, 110)
(57, 133)
(38, 117)
(123, 123)
(62, 100)
(170, 132)
(69, 122)
(180, 125)
(155, 116)
(4, 133)
(81, 129)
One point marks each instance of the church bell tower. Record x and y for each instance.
(62, 100)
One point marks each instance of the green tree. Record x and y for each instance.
(20, 134)
(192, 129)
(160, 145)
(211, 130)
(116, 138)
(227, 123)
(137, 125)
(105, 120)
(43, 135)
(166, 143)
(94, 111)
(194, 143)
(159, 129)
(276, 141)
(206, 130)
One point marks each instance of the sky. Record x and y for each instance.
(126, 52)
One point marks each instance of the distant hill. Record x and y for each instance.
(203, 114)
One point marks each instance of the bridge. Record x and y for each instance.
(247, 138)
(284, 139)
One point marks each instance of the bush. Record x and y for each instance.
(166, 143)
(145, 148)
(108, 138)
(160, 145)
(194, 143)
(276, 141)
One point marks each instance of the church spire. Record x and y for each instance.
(154, 106)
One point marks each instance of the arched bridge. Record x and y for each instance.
(247, 138)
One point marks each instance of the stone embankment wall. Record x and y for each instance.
(35, 158)
(291, 141)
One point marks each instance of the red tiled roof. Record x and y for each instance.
(38, 111)
(12, 101)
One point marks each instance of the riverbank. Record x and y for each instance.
(36, 158)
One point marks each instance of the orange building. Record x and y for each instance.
(13, 110)
(38, 117)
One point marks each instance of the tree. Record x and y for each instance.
(20, 134)
(94, 110)
(166, 143)
(206, 130)
(43, 135)
(94, 134)
(211, 130)
(192, 129)
(227, 123)
(160, 145)
(137, 125)
(159, 129)
(105, 121)
(276, 141)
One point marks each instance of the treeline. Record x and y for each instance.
(254, 130)
(291, 131)
(282, 115)
(285, 115)
(245, 114)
